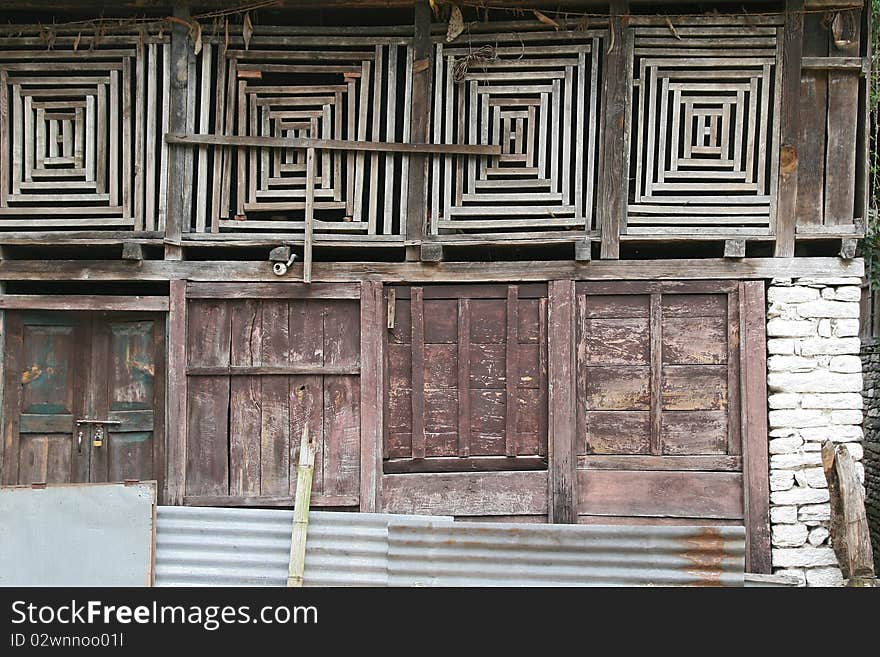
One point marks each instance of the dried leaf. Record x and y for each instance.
(247, 30)
(545, 19)
(76, 41)
(196, 36)
(434, 7)
(456, 24)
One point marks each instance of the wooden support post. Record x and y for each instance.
(583, 251)
(614, 158)
(310, 215)
(175, 428)
(848, 248)
(301, 502)
(431, 252)
(792, 54)
(132, 250)
(180, 160)
(416, 213)
(562, 479)
(373, 322)
(734, 248)
(850, 536)
(753, 423)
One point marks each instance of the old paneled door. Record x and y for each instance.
(83, 397)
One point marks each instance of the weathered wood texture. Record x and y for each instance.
(534, 93)
(467, 373)
(562, 403)
(792, 52)
(614, 161)
(63, 368)
(466, 494)
(753, 391)
(80, 132)
(444, 272)
(243, 427)
(705, 125)
(850, 534)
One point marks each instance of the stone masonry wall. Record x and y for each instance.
(814, 376)
(871, 394)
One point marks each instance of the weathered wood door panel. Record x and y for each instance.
(658, 410)
(258, 370)
(466, 378)
(64, 369)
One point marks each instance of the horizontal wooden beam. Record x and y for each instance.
(273, 370)
(257, 500)
(414, 272)
(277, 290)
(835, 63)
(82, 302)
(330, 144)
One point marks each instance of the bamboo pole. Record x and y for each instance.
(304, 471)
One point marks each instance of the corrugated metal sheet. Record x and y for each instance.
(502, 554)
(207, 546)
(199, 546)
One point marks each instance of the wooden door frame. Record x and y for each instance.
(562, 476)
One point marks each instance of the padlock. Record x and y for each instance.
(98, 438)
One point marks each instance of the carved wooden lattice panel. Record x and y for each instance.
(534, 94)
(81, 132)
(705, 129)
(318, 87)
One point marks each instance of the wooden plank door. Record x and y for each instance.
(467, 379)
(65, 368)
(263, 361)
(46, 358)
(127, 388)
(658, 418)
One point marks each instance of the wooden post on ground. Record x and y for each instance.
(850, 537)
(301, 503)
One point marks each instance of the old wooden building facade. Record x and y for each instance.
(529, 246)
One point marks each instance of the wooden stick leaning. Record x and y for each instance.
(304, 471)
(849, 523)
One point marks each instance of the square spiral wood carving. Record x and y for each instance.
(534, 94)
(286, 85)
(80, 131)
(705, 127)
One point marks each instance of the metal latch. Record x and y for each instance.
(97, 436)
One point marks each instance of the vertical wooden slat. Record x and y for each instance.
(163, 147)
(151, 117)
(843, 125)
(512, 374)
(4, 138)
(813, 122)
(204, 100)
(13, 341)
(175, 483)
(734, 439)
(561, 403)
(753, 389)
(125, 183)
(372, 395)
(139, 124)
(422, 50)
(656, 332)
(309, 215)
(614, 162)
(464, 377)
(417, 312)
(786, 208)
(179, 159)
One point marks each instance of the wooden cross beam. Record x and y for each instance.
(234, 141)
